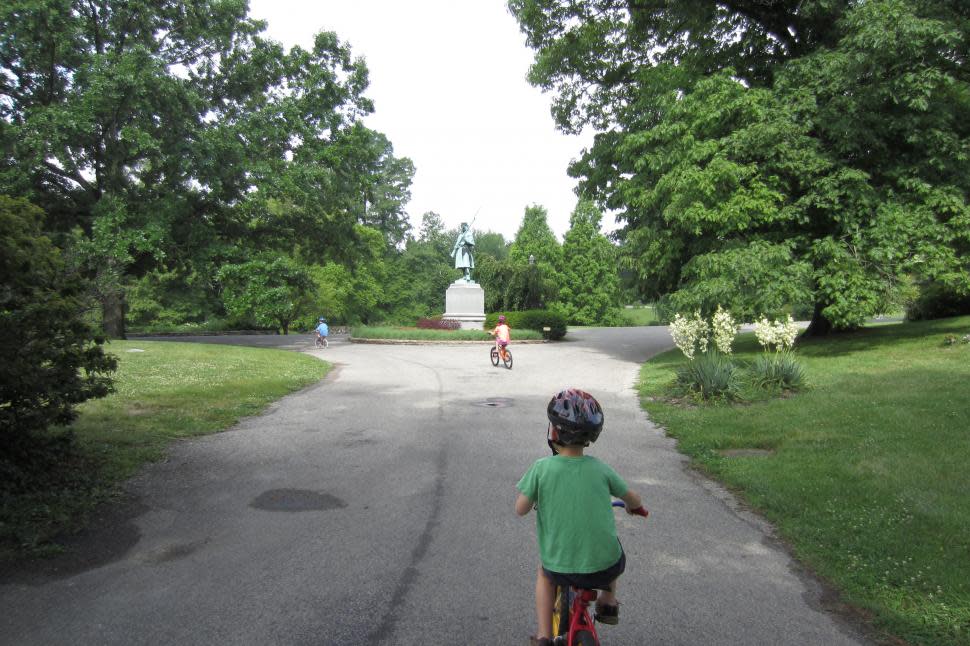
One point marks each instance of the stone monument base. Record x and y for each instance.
(465, 302)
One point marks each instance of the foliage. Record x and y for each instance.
(439, 324)
(778, 370)
(165, 392)
(532, 320)
(273, 291)
(709, 375)
(178, 140)
(50, 360)
(936, 301)
(863, 475)
(589, 284)
(767, 154)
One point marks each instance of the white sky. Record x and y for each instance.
(447, 78)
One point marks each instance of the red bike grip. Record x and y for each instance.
(639, 511)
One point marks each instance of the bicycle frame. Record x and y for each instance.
(579, 619)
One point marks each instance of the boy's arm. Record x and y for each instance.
(522, 504)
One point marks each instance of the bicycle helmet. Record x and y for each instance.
(575, 418)
(501, 318)
(322, 320)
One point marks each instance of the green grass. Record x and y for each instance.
(421, 334)
(167, 392)
(640, 315)
(867, 475)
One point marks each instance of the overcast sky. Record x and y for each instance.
(447, 78)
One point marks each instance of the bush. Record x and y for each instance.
(937, 302)
(710, 375)
(438, 323)
(778, 370)
(532, 320)
(50, 360)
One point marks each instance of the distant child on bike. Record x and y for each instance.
(502, 335)
(575, 528)
(323, 331)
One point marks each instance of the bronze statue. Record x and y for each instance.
(462, 252)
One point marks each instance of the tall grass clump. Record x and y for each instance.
(777, 367)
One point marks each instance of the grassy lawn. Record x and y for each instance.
(641, 315)
(165, 392)
(867, 475)
(421, 334)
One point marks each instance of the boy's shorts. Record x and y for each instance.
(590, 580)
(502, 343)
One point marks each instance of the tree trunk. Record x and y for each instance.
(819, 325)
(113, 314)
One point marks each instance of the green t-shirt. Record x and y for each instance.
(574, 523)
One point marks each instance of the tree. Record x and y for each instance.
(163, 130)
(589, 283)
(535, 238)
(273, 291)
(50, 360)
(765, 154)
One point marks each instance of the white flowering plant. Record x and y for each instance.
(695, 335)
(776, 335)
(690, 334)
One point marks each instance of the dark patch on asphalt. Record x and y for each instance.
(494, 402)
(173, 552)
(293, 500)
(109, 535)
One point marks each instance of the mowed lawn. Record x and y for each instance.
(866, 473)
(163, 392)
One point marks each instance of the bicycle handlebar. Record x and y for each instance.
(639, 511)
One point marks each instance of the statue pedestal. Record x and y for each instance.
(465, 302)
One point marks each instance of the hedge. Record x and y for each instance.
(532, 320)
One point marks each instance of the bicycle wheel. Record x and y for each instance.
(494, 355)
(508, 359)
(584, 638)
(560, 611)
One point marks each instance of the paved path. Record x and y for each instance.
(376, 508)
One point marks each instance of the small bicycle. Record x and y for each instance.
(321, 342)
(571, 623)
(505, 355)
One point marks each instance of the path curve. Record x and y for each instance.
(376, 508)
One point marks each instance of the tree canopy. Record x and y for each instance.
(168, 133)
(762, 154)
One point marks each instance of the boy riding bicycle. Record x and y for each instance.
(323, 331)
(575, 528)
(502, 335)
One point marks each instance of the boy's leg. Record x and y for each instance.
(607, 607)
(545, 598)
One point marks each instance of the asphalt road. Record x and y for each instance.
(376, 508)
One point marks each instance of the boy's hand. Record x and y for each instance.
(638, 511)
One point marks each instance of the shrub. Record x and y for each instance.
(936, 302)
(50, 360)
(709, 375)
(778, 370)
(532, 320)
(438, 323)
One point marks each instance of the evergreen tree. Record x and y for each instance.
(589, 287)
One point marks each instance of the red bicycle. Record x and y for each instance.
(571, 623)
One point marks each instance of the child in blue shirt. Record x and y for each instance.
(572, 494)
(323, 331)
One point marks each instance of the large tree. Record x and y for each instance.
(762, 154)
(170, 132)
